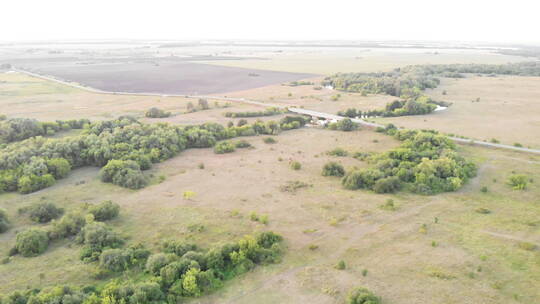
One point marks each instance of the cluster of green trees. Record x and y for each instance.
(181, 270)
(123, 147)
(268, 112)
(42, 212)
(345, 124)
(96, 236)
(419, 106)
(421, 77)
(425, 163)
(17, 129)
(156, 113)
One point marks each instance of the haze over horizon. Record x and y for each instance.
(419, 20)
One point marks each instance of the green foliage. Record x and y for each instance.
(360, 295)
(267, 112)
(345, 124)
(4, 222)
(333, 169)
(124, 144)
(341, 265)
(32, 242)
(104, 211)
(224, 147)
(338, 152)
(242, 144)
(425, 163)
(69, 225)
(518, 181)
(97, 237)
(58, 167)
(125, 173)
(117, 260)
(296, 165)
(32, 183)
(269, 140)
(157, 113)
(417, 104)
(17, 129)
(44, 212)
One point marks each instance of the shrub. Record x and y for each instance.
(224, 147)
(242, 144)
(341, 265)
(44, 212)
(361, 179)
(117, 260)
(157, 113)
(4, 222)
(387, 185)
(32, 183)
(104, 211)
(338, 152)
(269, 140)
(296, 165)
(69, 225)
(345, 124)
(124, 173)
(97, 237)
(333, 169)
(58, 167)
(157, 261)
(32, 242)
(362, 295)
(518, 181)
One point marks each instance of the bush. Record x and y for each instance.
(97, 237)
(269, 140)
(362, 295)
(4, 222)
(124, 173)
(333, 169)
(361, 179)
(341, 265)
(224, 147)
(242, 144)
(296, 165)
(32, 183)
(69, 225)
(44, 212)
(157, 113)
(518, 181)
(105, 211)
(32, 242)
(338, 152)
(58, 167)
(345, 124)
(387, 185)
(157, 261)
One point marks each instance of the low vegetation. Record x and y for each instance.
(518, 181)
(333, 169)
(419, 106)
(267, 112)
(4, 222)
(157, 113)
(344, 125)
(362, 295)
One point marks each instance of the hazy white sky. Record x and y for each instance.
(462, 20)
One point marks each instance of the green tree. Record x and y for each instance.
(32, 242)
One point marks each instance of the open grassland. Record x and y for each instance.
(458, 256)
(326, 61)
(507, 109)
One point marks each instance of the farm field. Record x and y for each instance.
(324, 61)
(174, 77)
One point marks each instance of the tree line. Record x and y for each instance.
(123, 147)
(267, 112)
(17, 129)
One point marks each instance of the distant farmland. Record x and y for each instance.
(174, 77)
